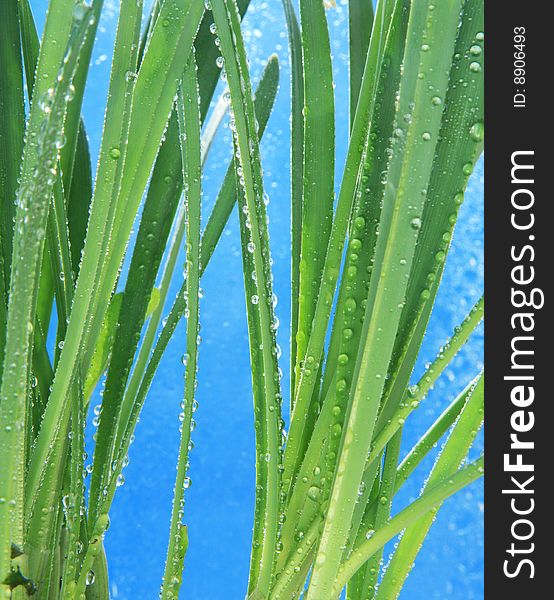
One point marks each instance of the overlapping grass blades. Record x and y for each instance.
(365, 271)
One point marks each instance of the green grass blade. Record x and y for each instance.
(75, 156)
(317, 186)
(168, 161)
(60, 270)
(168, 171)
(30, 43)
(79, 198)
(73, 131)
(31, 46)
(452, 455)
(12, 124)
(360, 23)
(424, 505)
(208, 69)
(152, 101)
(73, 502)
(259, 294)
(297, 170)
(189, 124)
(136, 391)
(363, 520)
(226, 198)
(104, 345)
(56, 415)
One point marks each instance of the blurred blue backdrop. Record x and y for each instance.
(219, 504)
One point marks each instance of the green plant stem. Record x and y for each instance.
(189, 124)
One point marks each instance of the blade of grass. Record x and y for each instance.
(365, 523)
(430, 439)
(12, 125)
(168, 172)
(360, 23)
(104, 345)
(259, 296)
(386, 429)
(30, 47)
(226, 198)
(317, 188)
(157, 217)
(370, 572)
(152, 99)
(69, 158)
(73, 503)
(297, 170)
(78, 199)
(56, 416)
(75, 161)
(189, 125)
(156, 85)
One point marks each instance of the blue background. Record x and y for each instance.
(219, 504)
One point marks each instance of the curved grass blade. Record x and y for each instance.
(189, 124)
(73, 502)
(360, 23)
(370, 572)
(168, 161)
(31, 46)
(154, 91)
(143, 374)
(226, 198)
(12, 125)
(75, 156)
(452, 455)
(297, 170)
(70, 157)
(105, 343)
(56, 415)
(155, 225)
(317, 189)
(259, 296)
(308, 380)
(79, 198)
(152, 98)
